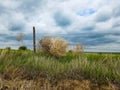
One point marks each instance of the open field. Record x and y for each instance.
(98, 69)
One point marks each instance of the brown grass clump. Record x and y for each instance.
(44, 84)
(55, 46)
(58, 47)
(78, 48)
(45, 43)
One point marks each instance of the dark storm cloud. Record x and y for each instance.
(28, 37)
(116, 24)
(3, 35)
(104, 14)
(7, 37)
(2, 10)
(30, 6)
(116, 11)
(16, 27)
(103, 17)
(62, 20)
(11, 37)
(89, 27)
(90, 39)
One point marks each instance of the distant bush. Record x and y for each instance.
(55, 46)
(22, 48)
(70, 51)
(78, 48)
(8, 48)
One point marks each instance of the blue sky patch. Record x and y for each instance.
(86, 12)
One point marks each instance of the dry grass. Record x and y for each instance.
(58, 47)
(78, 48)
(55, 46)
(99, 68)
(45, 44)
(44, 84)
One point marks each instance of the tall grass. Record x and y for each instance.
(96, 67)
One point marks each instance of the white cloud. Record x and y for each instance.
(104, 14)
(10, 4)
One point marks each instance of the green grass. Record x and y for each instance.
(96, 67)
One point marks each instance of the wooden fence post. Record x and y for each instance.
(34, 40)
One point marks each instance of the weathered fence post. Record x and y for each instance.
(34, 40)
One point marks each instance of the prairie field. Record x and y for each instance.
(84, 71)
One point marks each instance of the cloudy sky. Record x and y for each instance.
(94, 23)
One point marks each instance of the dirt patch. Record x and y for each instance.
(44, 84)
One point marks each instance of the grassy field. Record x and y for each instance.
(96, 67)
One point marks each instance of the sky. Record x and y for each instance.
(93, 23)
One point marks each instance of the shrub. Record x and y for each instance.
(20, 37)
(70, 51)
(22, 48)
(8, 48)
(45, 43)
(78, 48)
(55, 46)
(58, 47)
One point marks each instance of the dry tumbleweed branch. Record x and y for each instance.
(54, 46)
